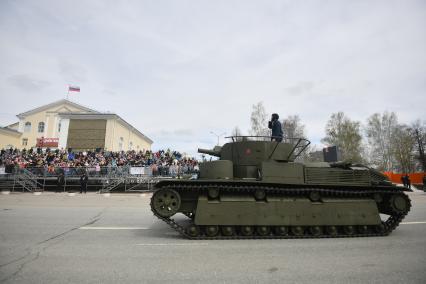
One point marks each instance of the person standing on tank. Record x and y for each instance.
(275, 125)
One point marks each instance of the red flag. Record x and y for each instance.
(73, 89)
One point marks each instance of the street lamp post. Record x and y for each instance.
(218, 136)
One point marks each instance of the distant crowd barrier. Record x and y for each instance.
(415, 178)
(148, 171)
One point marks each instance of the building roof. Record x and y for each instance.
(73, 115)
(13, 125)
(57, 103)
(10, 131)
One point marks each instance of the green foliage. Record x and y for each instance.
(259, 121)
(380, 131)
(402, 149)
(346, 134)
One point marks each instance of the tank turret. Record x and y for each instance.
(245, 157)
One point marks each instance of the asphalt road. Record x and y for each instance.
(56, 238)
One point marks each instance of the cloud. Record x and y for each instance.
(27, 83)
(177, 132)
(72, 72)
(300, 88)
(193, 67)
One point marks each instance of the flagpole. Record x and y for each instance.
(68, 93)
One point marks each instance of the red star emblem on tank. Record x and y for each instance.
(248, 151)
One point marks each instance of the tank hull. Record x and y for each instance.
(228, 209)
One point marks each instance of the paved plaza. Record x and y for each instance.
(62, 238)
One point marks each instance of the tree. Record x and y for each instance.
(345, 134)
(259, 120)
(402, 149)
(418, 132)
(237, 132)
(313, 154)
(380, 131)
(293, 128)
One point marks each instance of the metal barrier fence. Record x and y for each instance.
(102, 179)
(164, 171)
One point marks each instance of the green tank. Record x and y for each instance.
(256, 189)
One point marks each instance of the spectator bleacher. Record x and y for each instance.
(51, 162)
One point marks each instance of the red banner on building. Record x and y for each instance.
(47, 142)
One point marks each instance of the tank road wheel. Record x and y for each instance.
(297, 231)
(331, 230)
(193, 230)
(259, 194)
(349, 230)
(212, 230)
(380, 228)
(398, 203)
(246, 230)
(315, 231)
(213, 193)
(228, 231)
(263, 230)
(280, 230)
(363, 229)
(378, 198)
(314, 196)
(166, 202)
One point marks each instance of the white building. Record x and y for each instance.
(65, 124)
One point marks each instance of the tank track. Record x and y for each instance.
(388, 226)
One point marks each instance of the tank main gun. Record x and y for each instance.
(216, 151)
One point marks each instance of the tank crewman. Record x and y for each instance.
(83, 183)
(275, 125)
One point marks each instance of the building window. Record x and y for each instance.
(130, 145)
(24, 141)
(40, 127)
(120, 144)
(59, 126)
(27, 127)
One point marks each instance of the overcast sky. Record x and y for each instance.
(177, 70)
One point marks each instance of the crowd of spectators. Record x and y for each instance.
(163, 162)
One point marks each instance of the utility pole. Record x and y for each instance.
(218, 136)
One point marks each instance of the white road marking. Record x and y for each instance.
(175, 244)
(410, 223)
(114, 228)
